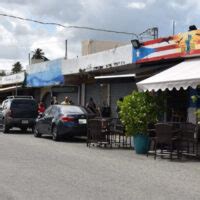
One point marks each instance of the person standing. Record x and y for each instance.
(41, 108)
(66, 101)
(54, 100)
(91, 106)
(118, 108)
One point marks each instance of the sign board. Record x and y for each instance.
(12, 79)
(102, 60)
(177, 46)
(45, 74)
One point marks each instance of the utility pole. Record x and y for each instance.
(173, 27)
(65, 49)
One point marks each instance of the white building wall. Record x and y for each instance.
(102, 60)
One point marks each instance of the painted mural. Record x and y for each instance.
(45, 74)
(180, 45)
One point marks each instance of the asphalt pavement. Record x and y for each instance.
(41, 169)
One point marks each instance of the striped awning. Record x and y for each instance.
(183, 75)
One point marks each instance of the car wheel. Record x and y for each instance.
(55, 133)
(36, 132)
(5, 128)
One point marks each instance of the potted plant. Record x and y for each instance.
(137, 110)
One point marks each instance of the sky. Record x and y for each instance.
(19, 38)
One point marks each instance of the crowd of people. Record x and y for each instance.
(91, 106)
(54, 101)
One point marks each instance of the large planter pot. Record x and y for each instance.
(141, 143)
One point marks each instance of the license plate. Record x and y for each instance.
(82, 121)
(24, 121)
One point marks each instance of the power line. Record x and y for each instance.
(68, 27)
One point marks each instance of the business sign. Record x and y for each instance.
(44, 74)
(102, 60)
(12, 79)
(180, 45)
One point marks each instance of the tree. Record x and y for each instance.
(17, 67)
(39, 54)
(2, 73)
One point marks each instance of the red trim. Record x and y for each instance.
(197, 51)
(159, 40)
(174, 55)
(173, 46)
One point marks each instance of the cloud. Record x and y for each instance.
(136, 5)
(18, 38)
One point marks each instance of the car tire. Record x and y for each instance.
(55, 135)
(5, 128)
(36, 132)
(24, 129)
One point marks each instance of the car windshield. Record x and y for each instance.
(72, 109)
(20, 103)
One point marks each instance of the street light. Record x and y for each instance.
(136, 44)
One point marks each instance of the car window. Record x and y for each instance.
(23, 104)
(5, 104)
(53, 111)
(48, 110)
(72, 109)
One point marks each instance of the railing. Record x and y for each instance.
(107, 132)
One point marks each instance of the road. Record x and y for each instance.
(41, 169)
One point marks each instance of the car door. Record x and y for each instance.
(42, 123)
(49, 118)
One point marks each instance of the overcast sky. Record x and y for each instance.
(19, 38)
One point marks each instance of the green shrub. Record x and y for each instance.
(137, 110)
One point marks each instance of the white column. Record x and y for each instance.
(83, 94)
(108, 94)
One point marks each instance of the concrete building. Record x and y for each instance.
(95, 46)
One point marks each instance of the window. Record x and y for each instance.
(72, 110)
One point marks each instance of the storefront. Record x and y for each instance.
(12, 85)
(43, 77)
(180, 82)
(109, 88)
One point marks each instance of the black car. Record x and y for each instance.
(20, 112)
(62, 121)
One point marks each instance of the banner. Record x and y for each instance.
(44, 74)
(180, 45)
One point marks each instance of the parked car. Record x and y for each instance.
(62, 121)
(20, 112)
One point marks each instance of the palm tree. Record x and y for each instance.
(38, 54)
(17, 67)
(2, 73)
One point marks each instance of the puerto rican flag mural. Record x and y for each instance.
(181, 45)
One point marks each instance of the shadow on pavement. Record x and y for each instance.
(67, 140)
(18, 131)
